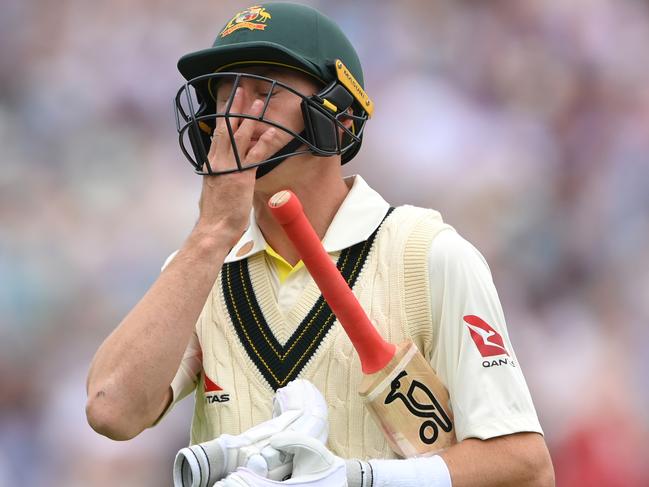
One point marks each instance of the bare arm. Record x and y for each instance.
(129, 380)
(518, 460)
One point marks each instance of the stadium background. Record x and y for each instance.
(525, 122)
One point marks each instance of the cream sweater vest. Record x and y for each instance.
(393, 288)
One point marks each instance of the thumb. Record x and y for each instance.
(309, 455)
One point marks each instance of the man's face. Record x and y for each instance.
(283, 106)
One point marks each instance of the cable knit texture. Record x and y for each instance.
(393, 288)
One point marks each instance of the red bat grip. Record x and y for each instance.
(373, 350)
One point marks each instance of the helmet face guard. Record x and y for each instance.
(206, 100)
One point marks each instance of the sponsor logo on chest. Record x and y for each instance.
(214, 393)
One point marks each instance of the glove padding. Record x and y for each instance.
(298, 407)
(301, 395)
(313, 465)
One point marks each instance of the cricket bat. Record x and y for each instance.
(399, 387)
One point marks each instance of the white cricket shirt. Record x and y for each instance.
(473, 355)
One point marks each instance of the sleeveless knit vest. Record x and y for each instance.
(250, 349)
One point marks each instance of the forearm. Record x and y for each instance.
(513, 460)
(520, 460)
(130, 375)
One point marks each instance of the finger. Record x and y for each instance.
(271, 427)
(309, 455)
(244, 132)
(299, 393)
(311, 425)
(278, 463)
(236, 107)
(257, 464)
(221, 135)
(221, 144)
(293, 443)
(268, 144)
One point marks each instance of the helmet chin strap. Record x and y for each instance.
(292, 146)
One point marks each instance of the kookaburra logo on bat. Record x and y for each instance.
(430, 409)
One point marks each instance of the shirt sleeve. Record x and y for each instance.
(186, 378)
(190, 368)
(472, 354)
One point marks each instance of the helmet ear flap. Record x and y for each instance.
(320, 129)
(338, 95)
(319, 114)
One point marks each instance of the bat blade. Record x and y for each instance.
(410, 404)
(400, 389)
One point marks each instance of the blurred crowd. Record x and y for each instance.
(526, 123)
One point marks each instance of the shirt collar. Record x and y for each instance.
(360, 214)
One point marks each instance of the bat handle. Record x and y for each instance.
(374, 352)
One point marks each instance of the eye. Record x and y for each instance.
(265, 94)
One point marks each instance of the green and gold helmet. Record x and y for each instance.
(277, 35)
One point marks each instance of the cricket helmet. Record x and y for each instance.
(283, 35)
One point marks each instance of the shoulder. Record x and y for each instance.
(450, 253)
(451, 246)
(446, 246)
(417, 219)
(410, 211)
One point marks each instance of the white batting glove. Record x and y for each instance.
(313, 465)
(297, 407)
(301, 395)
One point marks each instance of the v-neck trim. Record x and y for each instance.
(283, 324)
(279, 363)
